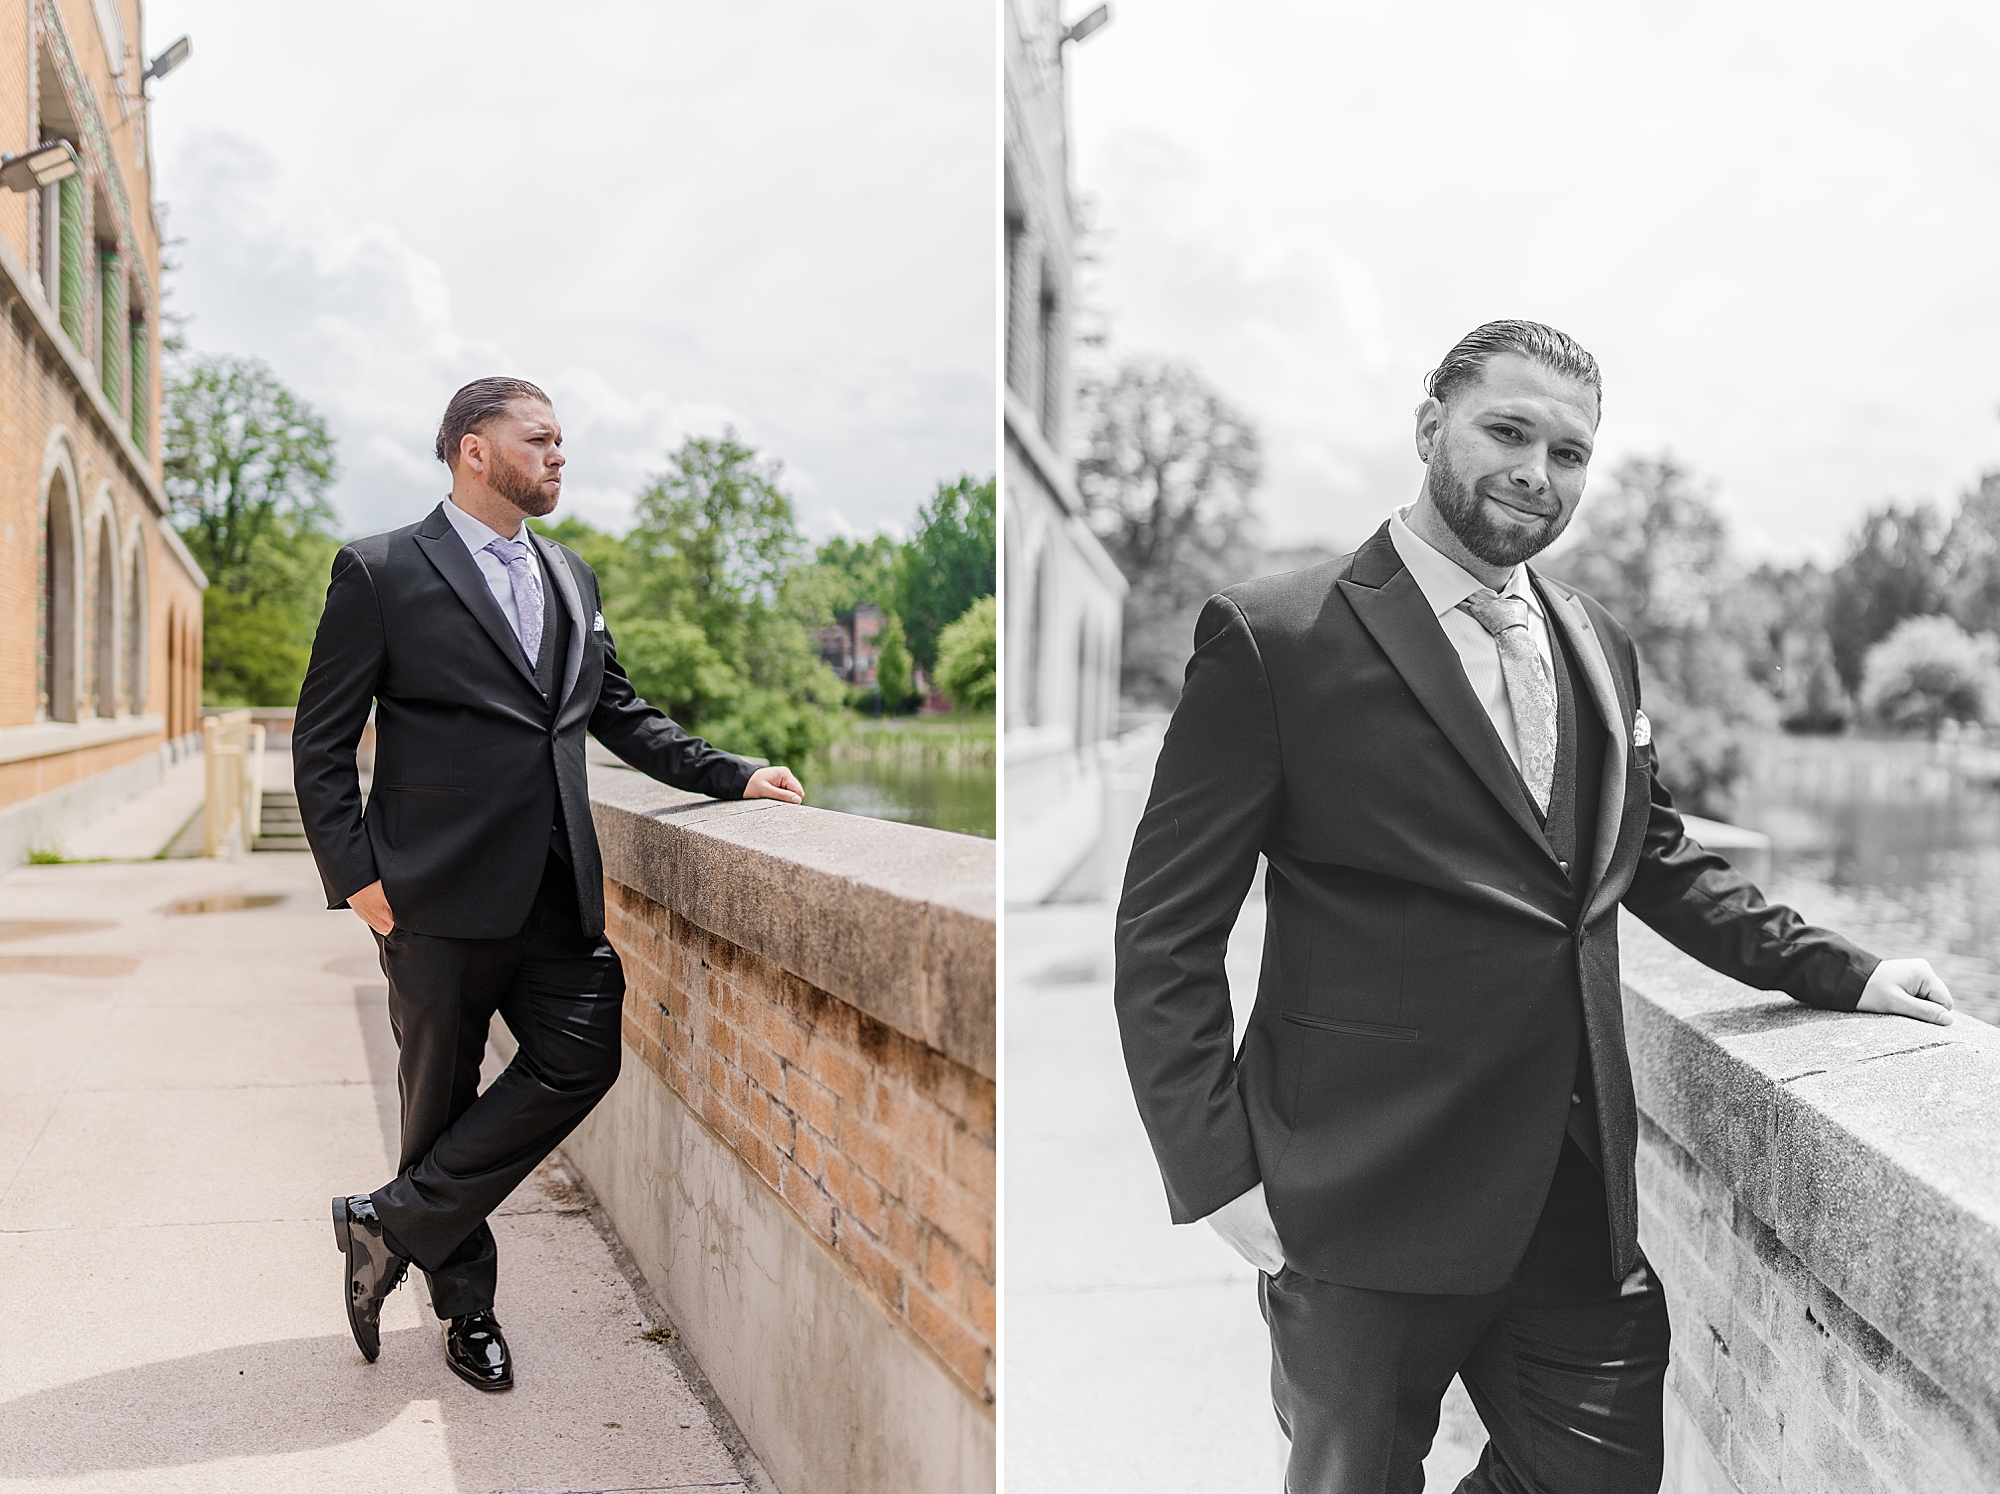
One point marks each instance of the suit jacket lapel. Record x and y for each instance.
(1401, 621)
(558, 566)
(445, 550)
(1583, 641)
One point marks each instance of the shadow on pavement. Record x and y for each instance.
(292, 1395)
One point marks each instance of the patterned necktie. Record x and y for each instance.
(526, 580)
(1529, 690)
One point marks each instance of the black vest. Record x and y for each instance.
(1572, 831)
(1579, 775)
(549, 667)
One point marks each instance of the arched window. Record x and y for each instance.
(135, 626)
(104, 681)
(1049, 357)
(1038, 619)
(1086, 654)
(59, 578)
(191, 670)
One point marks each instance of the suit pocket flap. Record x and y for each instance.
(422, 788)
(1357, 1029)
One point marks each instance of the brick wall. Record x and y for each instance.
(40, 775)
(881, 1146)
(40, 391)
(1820, 1193)
(1789, 1386)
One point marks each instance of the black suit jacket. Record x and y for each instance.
(1429, 971)
(471, 759)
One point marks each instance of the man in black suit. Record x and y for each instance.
(1427, 1141)
(482, 649)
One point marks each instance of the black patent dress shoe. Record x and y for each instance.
(477, 1352)
(373, 1270)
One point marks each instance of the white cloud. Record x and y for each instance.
(779, 217)
(1772, 226)
(361, 324)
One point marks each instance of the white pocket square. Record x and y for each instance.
(597, 623)
(1642, 730)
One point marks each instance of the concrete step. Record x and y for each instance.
(279, 824)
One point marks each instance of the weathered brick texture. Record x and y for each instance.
(48, 409)
(881, 1146)
(1790, 1388)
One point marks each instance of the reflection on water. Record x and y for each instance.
(942, 796)
(1899, 872)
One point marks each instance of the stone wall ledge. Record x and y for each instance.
(1868, 1145)
(49, 738)
(895, 920)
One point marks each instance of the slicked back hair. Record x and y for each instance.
(477, 405)
(1554, 350)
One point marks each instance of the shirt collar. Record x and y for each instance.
(1443, 581)
(475, 534)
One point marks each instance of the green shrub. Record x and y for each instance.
(969, 659)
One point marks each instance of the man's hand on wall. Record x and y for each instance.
(1907, 988)
(775, 783)
(1245, 1222)
(373, 908)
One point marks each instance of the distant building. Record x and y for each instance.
(849, 644)
(1064, 595)
(100, 606)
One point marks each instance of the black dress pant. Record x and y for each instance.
(1566, 1365)
(562, 993)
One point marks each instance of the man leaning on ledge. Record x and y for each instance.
(482, 648)
(1427, 1142)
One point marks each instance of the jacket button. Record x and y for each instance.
(1576, 1099)
(1565, 867)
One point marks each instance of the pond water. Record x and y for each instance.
(941, 795)
(1901, 865)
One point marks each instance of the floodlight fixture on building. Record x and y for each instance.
(44, 166)
(168, 60)
(1082, 28)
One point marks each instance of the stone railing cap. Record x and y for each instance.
(896, 920)
(1869, 1144)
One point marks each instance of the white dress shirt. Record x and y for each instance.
(1445, 583)
(477, 537)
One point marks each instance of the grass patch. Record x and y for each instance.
(956, 739)
(43, 856)
(660, 1334)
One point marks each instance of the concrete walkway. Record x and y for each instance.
(1136, 1358)
(182, 1093)
(143, 825)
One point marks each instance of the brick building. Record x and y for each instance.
(100, 603)
(849, 644)
(1065, 595)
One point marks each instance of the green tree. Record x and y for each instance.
(1167, 477)
(892, 664)
(853, 573)
(1653, 548)
(1894, 568)
(969, 657)
(1782, 613)
(248, 464)
(712, 605)
(1928, 671)
(1971, 558)
(949, 563)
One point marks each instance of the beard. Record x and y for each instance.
(1494, 541)
(522, 488)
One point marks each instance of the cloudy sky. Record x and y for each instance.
(1774, 224)
(672, 216)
